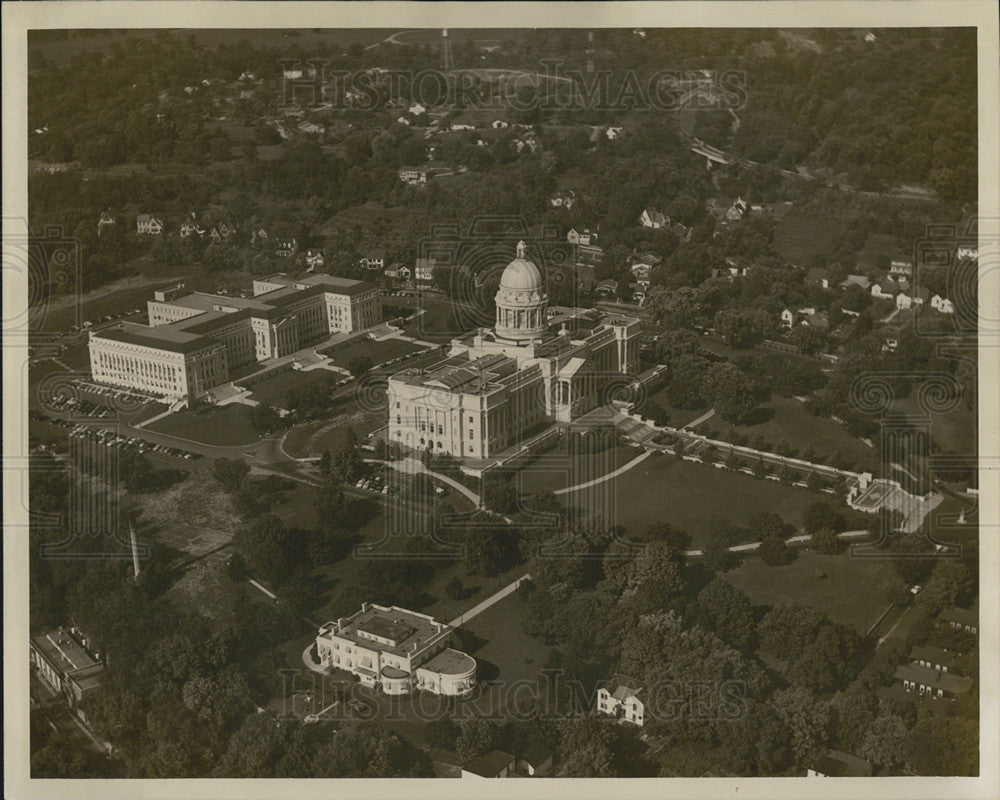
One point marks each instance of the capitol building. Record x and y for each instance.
(537, 364)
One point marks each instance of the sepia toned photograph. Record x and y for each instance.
(452, 402)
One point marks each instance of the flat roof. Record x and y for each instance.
(422, 629)
(161, 337)
(63, 650)
(450, 662)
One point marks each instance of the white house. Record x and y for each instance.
(417, 109)
(494, 764)
(373, 259)
(415, 176)
(104, 221)
(613, 132)
(886, 289)
(314, 259)
(584, 237)
(619, 697)
(563, 199)
(403, 120)
(424, 269)
(900, 270)
(966, 251)
(788, 318)
(836, 764)
(651, 218)
(737, 210)
(942, 304)
(398, 271)
(499, 123)
(147, 224)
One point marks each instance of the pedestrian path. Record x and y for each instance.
(489, 601)
(608, 476)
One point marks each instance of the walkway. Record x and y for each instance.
(412, 466)
(805, 537)
(489, 601)
(608, 476)
(703, 418)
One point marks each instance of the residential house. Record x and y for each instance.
(563, 199)
(788, 318)
(104, 221)
(494, 764)
(415, 176)
(148, 225)
(584, 237)
(311, 127)
(259, 237)
(374, 259)
(804, 316)
(403, 120)
(816, 276)
(837, 764)
(286, 247)
(398, 271)
(638, 293)
(885, 289)
(737, 210)
(613, 131)
(461, 126)
(855, 280)
(424, 269)
(651, 218)
(535, 760)
(417, 109)
(901, 270)
(931, 657)
(499, 123)
(642, 268)
(870, 37)
(966, 251)
(607, 288)
(314, 260)
(942, 304)
(906, 300)
(933, 682)
(619, 697)
(966, 619)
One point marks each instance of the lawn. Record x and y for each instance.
(378, 352)
(954, 430)
(555, 469)
(793, 424)
(686, 495)
(273, 389)
(310, 439)
(226, 426)
(854, 592)
(679, 417)
(444, 320)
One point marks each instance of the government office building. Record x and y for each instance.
(195, 341)
(536, 365)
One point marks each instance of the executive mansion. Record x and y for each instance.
(537, 364)
(396, 650)
(196, 341)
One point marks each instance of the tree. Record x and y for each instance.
(829, 659)
(345, 462)
(230, 473)
(265, 418)
(329, 504)
(939, 745)
(476, 736)
(785, 629)
(819, 515)
(885, 741)
(805, 719)
(774, 551)
(951, 583)
(441, 733)
(359, 366)
(825, 541)
(730, 392)
(722, 608)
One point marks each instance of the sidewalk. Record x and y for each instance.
(489, 601)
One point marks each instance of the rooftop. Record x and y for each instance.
(64, 651)
(489, 765)
(451, 662)
(404, 632)
(927, 676)
(837, 764)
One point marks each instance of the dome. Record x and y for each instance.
(521, 275)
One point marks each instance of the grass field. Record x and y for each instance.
(228, 426)
(954, 430)
(854, 592)
(378, 352)
(679, 417)
(274, 389)
(312, 438)
(554, 469)
(686, 495)
(793, 424)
